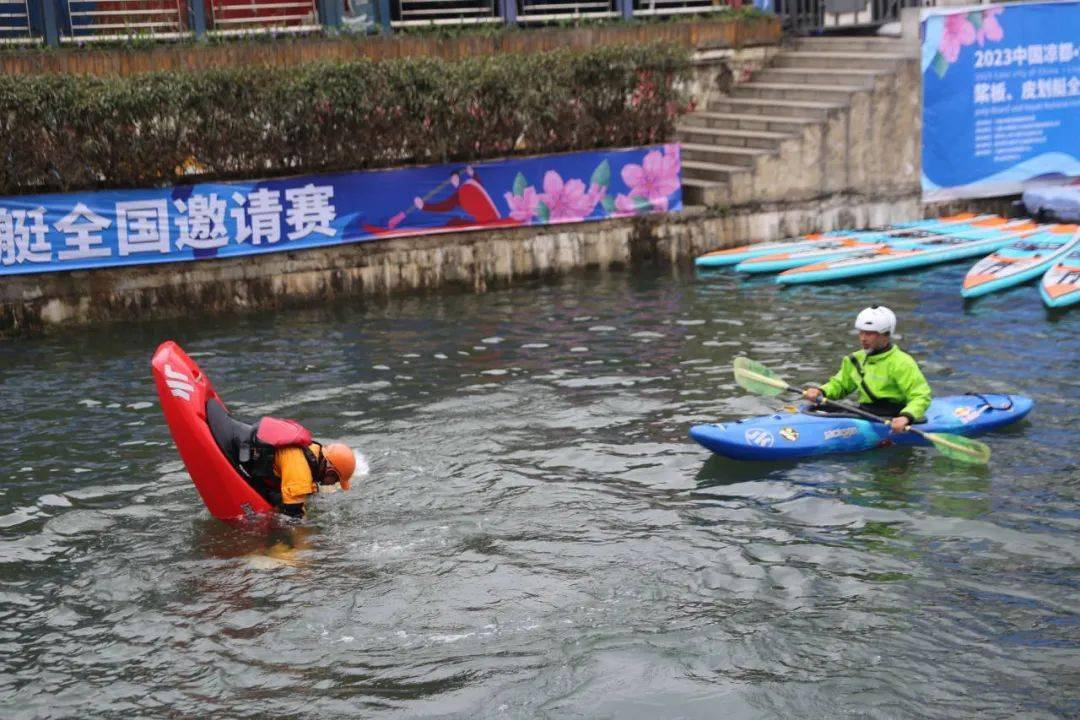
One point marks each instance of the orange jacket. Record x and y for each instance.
(296, 481)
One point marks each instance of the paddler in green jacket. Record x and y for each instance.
(888, 380)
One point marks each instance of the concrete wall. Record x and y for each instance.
(475, 261)
(869, 148)
(715, 71)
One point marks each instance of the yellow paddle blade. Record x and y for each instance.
(757, 378)
(960, 448)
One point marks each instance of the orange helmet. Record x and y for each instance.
(342, 460)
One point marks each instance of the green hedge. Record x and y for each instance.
(61, 133)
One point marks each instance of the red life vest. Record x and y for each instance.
(279, 433)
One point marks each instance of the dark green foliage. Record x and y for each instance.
(60, 133)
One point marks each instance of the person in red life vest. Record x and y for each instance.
(279, 459)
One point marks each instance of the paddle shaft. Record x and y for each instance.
(859, 411)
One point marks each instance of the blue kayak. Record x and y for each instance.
(797, 433)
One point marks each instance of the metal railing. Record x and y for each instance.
(245, 17)
(413, 13)
(651, 8)
(541, 11)
(815, 16)
(56, 22)
(15, 23)
(89, 20)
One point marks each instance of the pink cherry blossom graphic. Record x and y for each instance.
(523, 207)
(657, 176)
(990, 29)
(567, 200)
(633, 204)
(624, 205)
(958, 32)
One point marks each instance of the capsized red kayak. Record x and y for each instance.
(183, 390)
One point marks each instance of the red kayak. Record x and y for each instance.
(184, 390)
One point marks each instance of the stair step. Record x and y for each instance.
(710, 171)
(857, 44)
(695, 182)
(829, 77)
(747, 121)
(723, 154)
(765, 139)
(701, 192)
(788, 108)
(795, 91)
(838, 60)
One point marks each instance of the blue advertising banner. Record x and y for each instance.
(43, 233)
(1001, 98)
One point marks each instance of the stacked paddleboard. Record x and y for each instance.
(826, 241)
(908, 254)
(1020, 250)
(1060, 284)
(1026, 259)
(852, 244)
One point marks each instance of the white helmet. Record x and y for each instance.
(876, 318)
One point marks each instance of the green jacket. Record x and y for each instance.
(891, 375)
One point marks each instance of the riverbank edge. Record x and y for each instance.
(470, 261)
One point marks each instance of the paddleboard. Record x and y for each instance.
(1021, 261)
(1060, 285)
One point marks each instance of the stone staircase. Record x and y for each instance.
(827, 115)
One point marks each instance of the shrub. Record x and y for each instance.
(62, 133)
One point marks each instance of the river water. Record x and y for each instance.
(538, 536)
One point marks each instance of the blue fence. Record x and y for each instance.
(56, 22)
